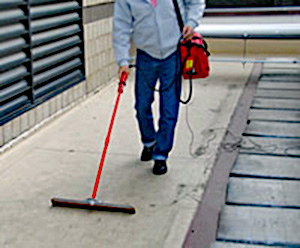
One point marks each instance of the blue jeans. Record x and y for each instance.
(149, 70)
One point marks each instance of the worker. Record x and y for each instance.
(153, 27)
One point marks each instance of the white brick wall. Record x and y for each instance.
(1, 136)
(16, 124)
(24, 122)
(95, 2)
(7, 132)
(99, 55)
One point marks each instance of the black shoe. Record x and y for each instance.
(147, 153)
(160, 167)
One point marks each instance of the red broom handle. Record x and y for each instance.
(120, 91)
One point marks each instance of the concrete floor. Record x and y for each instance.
(62, 158)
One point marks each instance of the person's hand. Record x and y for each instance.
(123, 69)
(187, 32)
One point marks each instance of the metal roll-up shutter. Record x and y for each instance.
(14, 58)
(57, 49)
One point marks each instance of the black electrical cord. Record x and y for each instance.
(228, 146)
(240, 143)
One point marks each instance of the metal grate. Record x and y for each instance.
(41, 52)
(14, 57)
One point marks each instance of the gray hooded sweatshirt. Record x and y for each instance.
(153, 30)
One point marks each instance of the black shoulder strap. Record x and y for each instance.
(179, 18)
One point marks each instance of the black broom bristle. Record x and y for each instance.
(92, 204)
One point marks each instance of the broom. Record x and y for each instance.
(92, 203)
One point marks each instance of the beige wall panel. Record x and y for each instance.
(254, 48)
(95, 2)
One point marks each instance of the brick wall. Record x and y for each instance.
(95, 2)
(99, 55)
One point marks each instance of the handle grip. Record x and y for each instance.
(122, 83)
(123, 78)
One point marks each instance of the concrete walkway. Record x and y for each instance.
(62, 158)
